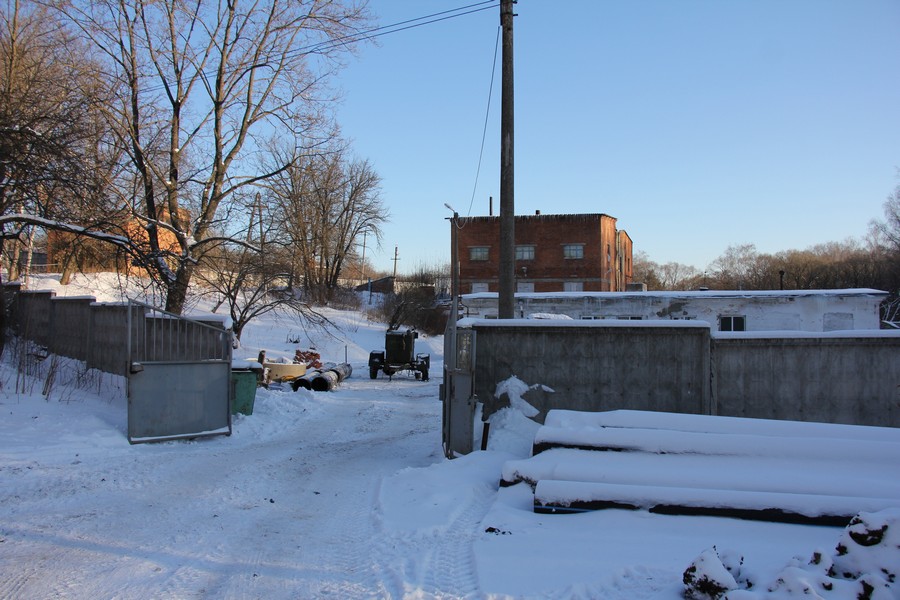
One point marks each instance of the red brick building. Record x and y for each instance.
(554, 253)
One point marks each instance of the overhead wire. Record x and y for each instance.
(374, 33)
(405, 26)
(486, 116)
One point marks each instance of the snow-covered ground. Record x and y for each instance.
(342, 494)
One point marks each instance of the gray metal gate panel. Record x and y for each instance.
(176, 400)
(179, 376)
(460, 400)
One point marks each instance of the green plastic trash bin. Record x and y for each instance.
(243, 385)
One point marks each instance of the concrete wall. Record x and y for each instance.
(108, 342)
(32, 312)
(596, 366)
(97, 334)
(69, 321)
(814, 310)
(680, 367)
(824, 378)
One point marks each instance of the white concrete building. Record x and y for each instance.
(794, 310)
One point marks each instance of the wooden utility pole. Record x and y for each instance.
(507, 291)
(396, 258)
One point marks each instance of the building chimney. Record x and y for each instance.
(490, 206)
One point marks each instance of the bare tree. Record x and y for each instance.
(252, 284)
(646, 271)
(675, 275)
(52, 155)
(199, 86)
(887, 232)
(327, 204)
(734, 269)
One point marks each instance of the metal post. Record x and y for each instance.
(450, 331)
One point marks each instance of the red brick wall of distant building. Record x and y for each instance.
(626, 268)
(606, 252)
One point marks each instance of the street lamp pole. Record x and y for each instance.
(450, 331)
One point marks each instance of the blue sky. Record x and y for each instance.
(698, 124)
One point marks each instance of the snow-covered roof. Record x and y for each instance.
(688, 294)
(644, 323)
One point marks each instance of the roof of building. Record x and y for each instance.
(548, 217)
(692, 294)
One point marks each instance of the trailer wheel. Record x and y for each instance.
(425, 374)
(373, 372)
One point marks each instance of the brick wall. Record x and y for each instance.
(600, 269)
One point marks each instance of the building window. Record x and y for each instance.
(733, 323)
(525, 286)
(479, 287)
(478, 253)
(573, 286)
(525, 252)
(573, 251)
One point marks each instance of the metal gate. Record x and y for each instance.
(458, 392)
(179, 376)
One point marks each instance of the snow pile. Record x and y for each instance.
(865, 566)
(514, 389)
(512, 429)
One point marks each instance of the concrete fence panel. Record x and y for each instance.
(32, 312)
(826, 378)
(82, 329)
(596, 366)
(71, 325)
(847, 377)
(108, 342)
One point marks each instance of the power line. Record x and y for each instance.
(397, 27)
(371, 34)
(486, 115)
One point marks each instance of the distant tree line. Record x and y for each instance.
(873, 263)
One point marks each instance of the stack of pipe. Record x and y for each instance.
(324, 379)
(305, 380)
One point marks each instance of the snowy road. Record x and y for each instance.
(287, 507)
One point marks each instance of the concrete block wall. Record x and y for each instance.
(826, 378)
(680, 367)
(596, 366)
(108, 342)
(71, 324)
(97, 334)
(33, 316)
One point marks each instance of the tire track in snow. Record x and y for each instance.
(451, 568)
(438, 564)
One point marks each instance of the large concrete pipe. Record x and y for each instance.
(326, 380)
(305, 381)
